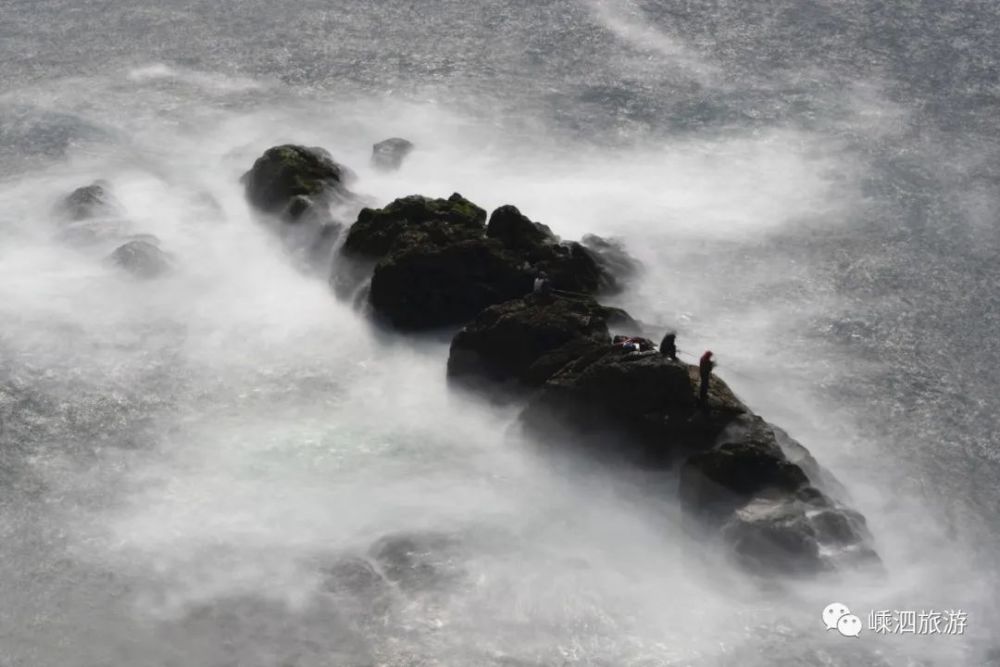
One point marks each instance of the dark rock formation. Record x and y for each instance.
(618, 266)
(527, 340)
(442, 220)
(377, 230)
(636, 406)
(89, 202)
(90, 215)
(436, 264)
(424, 285)
(735, 477)
(298, 185)
(284, 173)
(569, 265)
(512, 228)
(746, 462)
(769, 511)
(141, 258)
(388, 155)
(433, 265)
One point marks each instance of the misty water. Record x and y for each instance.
(187, 464)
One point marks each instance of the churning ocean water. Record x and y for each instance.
(187, 465)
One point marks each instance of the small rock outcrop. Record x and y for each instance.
(388, 155)
(288, 180)
(513, 229)
(436, 263)
(89, 202)
(569, 265)
(142, 258)
(525, 341)
(768, 510)
(298, 185)
(90, 215)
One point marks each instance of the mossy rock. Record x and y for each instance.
(377, 229)
(527, 340)
(512, 228)
(284, 173)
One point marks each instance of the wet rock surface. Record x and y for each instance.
(528, 340)
(769, 511)
(297, 186)
(747, 483)
(142, 258)
(286, 172)
(89, 202)
(618, 266)
(90, 215)
(437, 264)
(388, 155)
(444, 221)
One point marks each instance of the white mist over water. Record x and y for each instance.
(192, 454)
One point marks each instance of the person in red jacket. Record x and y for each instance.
(705, 367)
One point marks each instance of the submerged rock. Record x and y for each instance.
(309, 231)
(437, 264)
(353, 575)
(141, 258)
(388, 155)
(90, 215)
(89, 202)
(284, 173)
(417, 561)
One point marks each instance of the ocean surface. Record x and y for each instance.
(189, 467)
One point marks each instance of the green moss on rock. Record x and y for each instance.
(283, 173)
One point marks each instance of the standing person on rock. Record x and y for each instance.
(705, 366)
(668, 347)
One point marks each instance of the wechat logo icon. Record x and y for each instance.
(837, 616)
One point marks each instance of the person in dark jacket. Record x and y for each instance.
(705, 367)
(668, 347)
